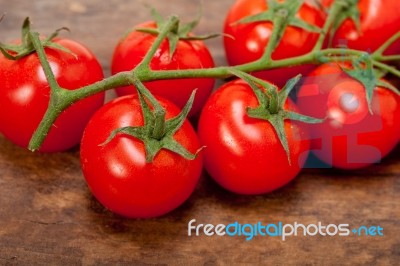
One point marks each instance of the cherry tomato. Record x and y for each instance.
(25, 93)
(246, 42)
(351, 137)
(188, 55)
(117, 172)
(379, 20)
(243, 154)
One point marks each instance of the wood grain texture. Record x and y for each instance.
(48, 216)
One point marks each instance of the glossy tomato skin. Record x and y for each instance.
(243, 154)
(379, 20)
(117, 173)
(351, 137)
(188, 55)
(24, 95)
(246, 42)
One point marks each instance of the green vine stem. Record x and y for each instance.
(159, 112)
(60, 98)
(378, 54)
(387, 68)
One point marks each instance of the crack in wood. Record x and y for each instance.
(8, 259)
(44, 223)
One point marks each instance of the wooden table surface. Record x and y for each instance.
(48, 216)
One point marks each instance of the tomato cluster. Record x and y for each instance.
(243, 153)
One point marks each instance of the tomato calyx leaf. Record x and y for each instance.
(272, 106)
(26, 47)
(180, 32)
(282, 15)
(157, 133)
(362, 70)
(286, 10)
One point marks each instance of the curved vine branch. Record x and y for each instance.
(61, 98)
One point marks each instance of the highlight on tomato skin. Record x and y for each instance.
(117, 172)
(244, 154)
(350, 137)
(25, 95)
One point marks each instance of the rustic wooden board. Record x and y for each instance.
(48, 216)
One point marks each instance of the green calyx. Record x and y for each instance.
(26, 47)
(285, 11)
(157, 133)
(271, 105)
(282, 15)
(362, 70)
(179, 32)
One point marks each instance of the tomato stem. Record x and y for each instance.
(386, 67)
(276, 36)
(378, 54)
(34, 38)
(336, 8)
(158, 129)
(171, 24)
(58, 101)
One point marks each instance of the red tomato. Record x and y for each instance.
(24, 95)
(188, 55)
(379, 21)
(250, 40)
(351, 137)
(117, 173)
(244, 154)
